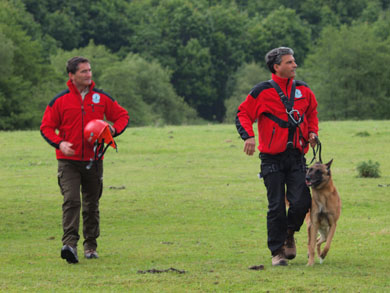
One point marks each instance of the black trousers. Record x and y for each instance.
(284, 177)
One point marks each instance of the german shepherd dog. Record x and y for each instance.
(325, 209)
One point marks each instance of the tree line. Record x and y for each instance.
(183, 61)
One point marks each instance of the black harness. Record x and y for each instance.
(294, 117)
(294, 121)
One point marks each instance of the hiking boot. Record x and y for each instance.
(290, 249)
(90, 253)
(69, 253)
(279, 259)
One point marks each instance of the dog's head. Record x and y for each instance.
(318, 174)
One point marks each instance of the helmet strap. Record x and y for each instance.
(99, 151)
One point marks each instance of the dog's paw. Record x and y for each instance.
(310, 263)
(321, 260)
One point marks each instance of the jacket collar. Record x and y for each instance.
(284, 83)
(74, 89)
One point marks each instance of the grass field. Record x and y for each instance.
(189, 198)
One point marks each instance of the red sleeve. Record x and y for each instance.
(311, 114)
(51, 122)
(246, 116)
(118, 115)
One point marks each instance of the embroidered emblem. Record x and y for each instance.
(96, 98)
(298, 94)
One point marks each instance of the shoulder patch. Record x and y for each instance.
(104, 93)
(258, 88)
(63, 93)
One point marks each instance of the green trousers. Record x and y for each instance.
(73, 177)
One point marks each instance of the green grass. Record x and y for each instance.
(191, 201)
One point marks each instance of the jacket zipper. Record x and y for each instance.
(272, 136)
(288, 98)
(82, 131)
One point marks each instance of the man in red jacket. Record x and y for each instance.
(63, 127)
(286, 114)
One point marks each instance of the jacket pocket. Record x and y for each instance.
(94, 111)
(272, 137)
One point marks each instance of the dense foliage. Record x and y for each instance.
(170, 61)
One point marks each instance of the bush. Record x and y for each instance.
(363, 134)
(368, 169)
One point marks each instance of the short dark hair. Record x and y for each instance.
(275, 56)
(73, 64)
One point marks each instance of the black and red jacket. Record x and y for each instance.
(68, 114)
(262, 99)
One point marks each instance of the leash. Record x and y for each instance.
(317, 150)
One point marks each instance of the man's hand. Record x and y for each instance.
(112, 129)
(312, 139)
(66, 148)
(249, 146)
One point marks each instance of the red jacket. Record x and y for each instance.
(263, 98)
(68, 114)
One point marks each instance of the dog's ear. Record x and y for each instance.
(329, 164)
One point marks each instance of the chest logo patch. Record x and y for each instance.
(298, 94)
(96, 98)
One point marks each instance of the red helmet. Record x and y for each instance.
(98, 130)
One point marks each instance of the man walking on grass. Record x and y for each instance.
(286, 113)
(68, 113)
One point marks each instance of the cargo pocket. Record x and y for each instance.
(300, 164)
(267, 169)
(101, 186)
(60, 175)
